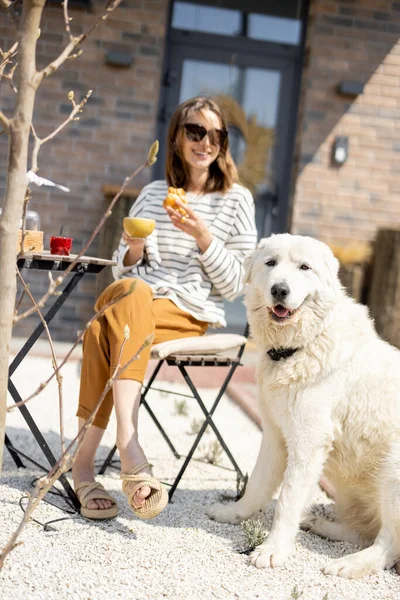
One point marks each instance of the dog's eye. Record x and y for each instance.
(271, 263)
(305, 267)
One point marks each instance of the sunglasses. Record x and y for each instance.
(197, 133)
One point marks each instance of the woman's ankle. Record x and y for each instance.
(83, 471)
(131, 455)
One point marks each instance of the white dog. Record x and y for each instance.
(329, 394)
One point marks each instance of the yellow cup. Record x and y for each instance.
(136, 227)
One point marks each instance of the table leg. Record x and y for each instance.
(17, 398)
(51, 313)
(45, 448)
(13, 452)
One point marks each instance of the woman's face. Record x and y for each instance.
(199, 155)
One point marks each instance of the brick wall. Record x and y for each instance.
(346, 40)
(357, 41)
(112, 136)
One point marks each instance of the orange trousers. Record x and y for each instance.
(103, 340)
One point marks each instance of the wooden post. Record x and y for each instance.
(352, 278)
(384, 296)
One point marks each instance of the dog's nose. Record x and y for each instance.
(279, 291)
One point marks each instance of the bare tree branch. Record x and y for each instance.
(76, 108)
(5, 121)
(21, 298)
(74, 42)
(7, 57)
(10, 77)
(67, 19)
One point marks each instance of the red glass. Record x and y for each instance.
(60, 245)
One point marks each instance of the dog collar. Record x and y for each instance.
(278, 353)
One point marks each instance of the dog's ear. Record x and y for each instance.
(248, 264)
(250, 259)
(331, 261)
(332, 264)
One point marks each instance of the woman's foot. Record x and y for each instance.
(126, 395)
(87, 491)
(82, 474)
(83, 466)
(135, 484)
(131, 456)
(139, 498)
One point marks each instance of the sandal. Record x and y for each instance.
(155, 502)
(88, 490)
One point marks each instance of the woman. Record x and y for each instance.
(184, 269)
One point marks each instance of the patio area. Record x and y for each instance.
(181, 554)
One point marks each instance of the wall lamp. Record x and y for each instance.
(340, 150)
(350, 88)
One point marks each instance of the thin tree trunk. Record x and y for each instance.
(16, 186)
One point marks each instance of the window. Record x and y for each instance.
(274, 29)
(282, 26)
(208, 19)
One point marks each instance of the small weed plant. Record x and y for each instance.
(181, 408)
(254, 532)
(213, 453)
(195, 426)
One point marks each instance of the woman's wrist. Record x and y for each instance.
(204, 240)
(132, 256)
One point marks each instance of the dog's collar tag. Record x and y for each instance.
(278, 353)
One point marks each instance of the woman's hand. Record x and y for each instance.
(136, 249)
(191, 224)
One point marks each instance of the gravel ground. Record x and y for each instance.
(180, 554)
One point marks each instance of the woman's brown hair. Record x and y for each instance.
(223, 173)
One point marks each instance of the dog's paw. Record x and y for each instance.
(352, 566)
(224, 513)
(271, 555)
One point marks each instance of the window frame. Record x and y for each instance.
(257, 6)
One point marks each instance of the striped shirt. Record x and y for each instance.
(172, 263)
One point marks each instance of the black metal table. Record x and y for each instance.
(47, 262)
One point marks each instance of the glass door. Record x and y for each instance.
(254, 92)
(250, 63)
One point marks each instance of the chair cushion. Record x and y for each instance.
(205, 344)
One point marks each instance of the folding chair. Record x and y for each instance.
(214, 350)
